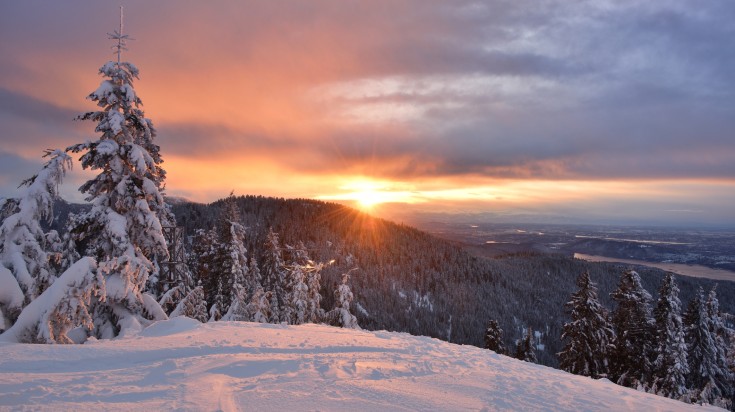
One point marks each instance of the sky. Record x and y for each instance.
(595, 111)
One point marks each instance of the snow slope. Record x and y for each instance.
(181, 364)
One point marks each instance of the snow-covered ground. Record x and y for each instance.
(181, 364)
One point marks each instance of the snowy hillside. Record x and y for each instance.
(184, 365)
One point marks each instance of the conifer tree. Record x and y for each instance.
(303, 288)
(122, 231)
(297, 295)
(171, 298)
(314, 312)
(217, 310)
(253, 279)
(274, 276)
(634, 325)
(724, 378)
(231, 258)
(192, 305)
(589, 335)
(340, 315)
(494, 338)
(23, 242)
(705, 378)
(274, 311)
(202, 262)
(259, 308)
(67, 303)
(525, 350)
(699, 342)
(670, 365)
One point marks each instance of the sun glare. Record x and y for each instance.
(368, 194)
(367, 199)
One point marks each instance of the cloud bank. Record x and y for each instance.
(435, 95)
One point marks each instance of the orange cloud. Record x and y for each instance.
(465, 106)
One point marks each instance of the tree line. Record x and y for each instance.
(681, 355)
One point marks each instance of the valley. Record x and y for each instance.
(708, 253)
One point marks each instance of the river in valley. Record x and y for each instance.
(698, 271)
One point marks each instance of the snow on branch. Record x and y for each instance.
(63, 306)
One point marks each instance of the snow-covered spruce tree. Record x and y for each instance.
(294, 311)
(122, 230)
(724, 377)
(525, 350)
(494, 338)
(231, 260)
(670, 365)
(259, 308)
(303, 287)
(201, 260)
(705, 374)
(253, 280)
(340, 315)
(216, 311)
(634, 326)
(251, 303)
(314, 311)
(589, 335)
(67, 250)
(23, 242)
(274, 310)
(274, 275)
(171, 298)
(193, 306)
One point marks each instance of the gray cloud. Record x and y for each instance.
(27, 107)
(30, 125)
(13, 170)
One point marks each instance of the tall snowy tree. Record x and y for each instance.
(253, 279)
(314, 312)
(275, 275)
(670, 365)
(297, 295)
(231, 257)
(634, 326)
(303, 287)
(494, 338)
(122, 230)
(709, 380)
(525, 350)
(589, 336)
(202, 263)
(23, 242)
(705, 379)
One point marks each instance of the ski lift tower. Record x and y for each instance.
(173, 270)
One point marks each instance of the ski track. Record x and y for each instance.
(230, 366)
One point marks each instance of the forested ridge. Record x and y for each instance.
(407, 280)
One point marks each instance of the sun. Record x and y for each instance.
(367, 199)
(369, 194)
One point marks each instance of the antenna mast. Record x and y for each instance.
(119, 41)
(120, 37)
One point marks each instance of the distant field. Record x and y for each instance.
(678, 268)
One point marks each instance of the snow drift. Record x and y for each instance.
(181, 364)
